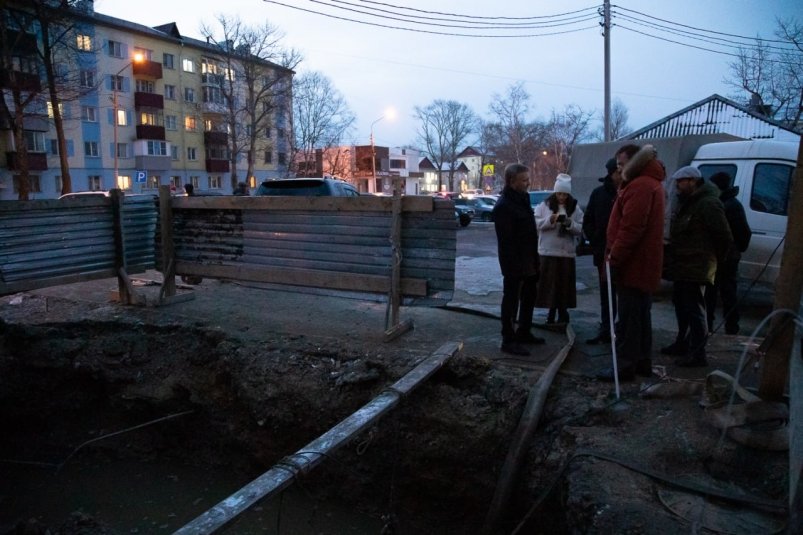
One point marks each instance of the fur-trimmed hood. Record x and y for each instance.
(644, 162)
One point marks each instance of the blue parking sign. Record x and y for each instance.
(142, 177)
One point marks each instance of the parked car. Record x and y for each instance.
(483, 210)
(537, 197)
(312, 187)
(488, 199)
(471, 193)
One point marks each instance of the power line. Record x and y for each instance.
(432, 32)
(479, 17)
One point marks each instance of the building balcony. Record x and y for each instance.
(149, 131)
(217, 108)
(216, 138)
(148, 69)
(148, 100)
(214, 165)
(212, 79)
(23, 80)
(37, 161)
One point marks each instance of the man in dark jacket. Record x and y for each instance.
(595, 226)
(699, 238)
(635, 253)
(725, 283)
(517, 240)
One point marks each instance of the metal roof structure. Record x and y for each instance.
(717, 115)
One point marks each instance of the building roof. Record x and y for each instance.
(469, 152)
(717, 115)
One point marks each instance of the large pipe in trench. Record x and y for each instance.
(281, 476)
(521, 438)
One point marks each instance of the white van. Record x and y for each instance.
(763, 171)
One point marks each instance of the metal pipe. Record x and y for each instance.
(283, 474)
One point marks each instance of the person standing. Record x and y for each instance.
(559, 221)
(517, 242)
(699, 238)
(635, 253)
(595, 226)
(725, 282)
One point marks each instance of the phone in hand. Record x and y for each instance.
(561, 218)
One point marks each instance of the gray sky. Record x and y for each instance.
(378, 67)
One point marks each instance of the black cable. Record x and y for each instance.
(699, 29)
(477, 17)
(432, 32)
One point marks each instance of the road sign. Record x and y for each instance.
(142, 177)
(488, 169)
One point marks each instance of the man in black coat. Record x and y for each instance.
(595, 226)
(517, 240)
(727, 275)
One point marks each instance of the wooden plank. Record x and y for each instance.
(120, 263)
(302, 277)
(168, 251)
(413, 203)
(7, 288)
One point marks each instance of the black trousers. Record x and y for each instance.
(518, 299)
(726, 287)
(633, 327)
(689, 301)
(604, 314)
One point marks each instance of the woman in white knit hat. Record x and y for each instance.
(560, 223)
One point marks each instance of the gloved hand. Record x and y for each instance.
(567, 222)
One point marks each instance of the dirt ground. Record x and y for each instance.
(249, 393)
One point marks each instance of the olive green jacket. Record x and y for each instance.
(699, 236)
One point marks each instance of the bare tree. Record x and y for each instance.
(563, 131)
(21, 84)
(321, 119)
(514, 134)
(769, 78)
(445, 126)
(254, 85)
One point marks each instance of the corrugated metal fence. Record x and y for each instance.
(325, 242)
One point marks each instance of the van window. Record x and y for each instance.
(771, 184)
(709, 170)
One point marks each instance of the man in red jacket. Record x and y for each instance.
(636, 252)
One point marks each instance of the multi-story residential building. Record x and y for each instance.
(152, 108)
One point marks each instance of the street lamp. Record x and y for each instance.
(390, 113)
(136, 59)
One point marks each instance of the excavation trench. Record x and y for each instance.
(115, 427)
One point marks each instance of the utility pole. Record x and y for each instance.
(606, 34)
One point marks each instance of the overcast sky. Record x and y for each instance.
(378, 67)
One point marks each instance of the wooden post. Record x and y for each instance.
(168, 248)
(788, 286)
(120, 264)
(393, 327)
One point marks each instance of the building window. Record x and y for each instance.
(267, 132)
(146, 86)
(89, 114)
(188, 65)
(50, 113)
(157, 148)
(398, 164)
(213, 95)
(153, 182)
(122, 150)
(149, 118)
(87, 78)
(170, 92)
(116, 82)
(94, 183)
(190, 123)
(143, 53)
(217, 152)
(195, 181)
(91, 149)
(168, 60)
(33, 184)
(59, 184)
(124, 182)
(174, 152)
(175, 182)
(122, 117)
(84, 43)
(280, 133)
(35, 141)
(189, 94)
(269, 156)
(192, 154)
(214, 182)
(115, 49)
(54, 147)
(282, 158)
(170, 122)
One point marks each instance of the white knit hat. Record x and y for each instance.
(563, 183)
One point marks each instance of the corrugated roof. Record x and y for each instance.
(716, 115)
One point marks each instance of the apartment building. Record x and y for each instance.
(151, 109)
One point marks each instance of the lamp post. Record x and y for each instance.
(137, 58)
(372, 187)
